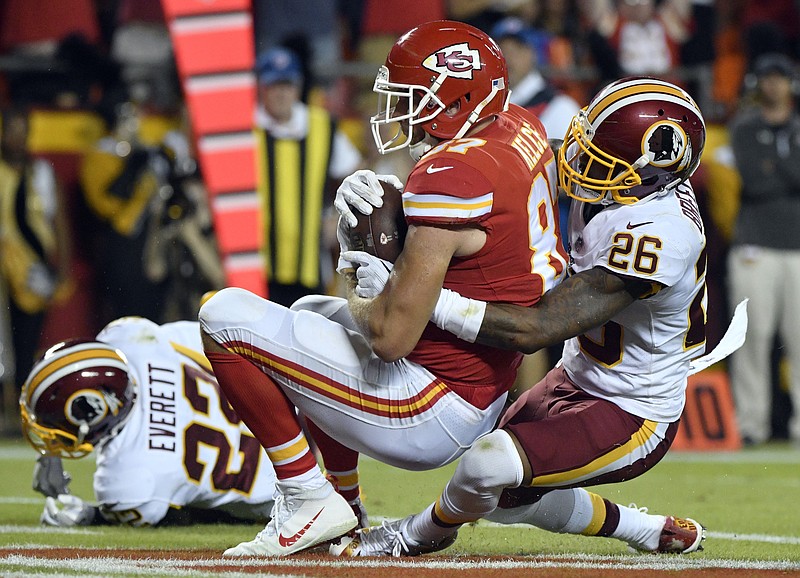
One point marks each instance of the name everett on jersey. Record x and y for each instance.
(161, 408)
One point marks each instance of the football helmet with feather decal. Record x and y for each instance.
(78, 395)
(638, 137)
(441, 78)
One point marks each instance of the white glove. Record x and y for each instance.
(363, 191)
(343, 236)
(459, 315)
(67, 510)
(372, 272)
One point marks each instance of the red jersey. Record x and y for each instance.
(503, 180)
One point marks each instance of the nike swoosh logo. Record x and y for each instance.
(286, 542)
(431, 169)
(639, 224)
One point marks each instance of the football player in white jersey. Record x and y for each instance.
(169, 447)
(633, 315)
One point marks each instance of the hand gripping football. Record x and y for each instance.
(383, 232)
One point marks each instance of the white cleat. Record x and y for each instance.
(300, 520)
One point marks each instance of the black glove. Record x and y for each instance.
(49, 477)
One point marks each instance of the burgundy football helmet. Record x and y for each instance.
(638, 137)
(442, 76)
(77, 396)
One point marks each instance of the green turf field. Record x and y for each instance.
(749, 501)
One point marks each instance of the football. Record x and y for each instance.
(383, 232)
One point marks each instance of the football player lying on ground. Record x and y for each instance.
(170, 449)
(633, 314)
(402, 390)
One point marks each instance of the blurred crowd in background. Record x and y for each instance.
(103, 212)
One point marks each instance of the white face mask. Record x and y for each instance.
(386, 124)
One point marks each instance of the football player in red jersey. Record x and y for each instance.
(633, 314)
(372, 375)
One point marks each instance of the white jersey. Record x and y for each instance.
(183, 445)
(639, 360)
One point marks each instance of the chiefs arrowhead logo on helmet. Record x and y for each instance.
(439, 80)
(458, 60)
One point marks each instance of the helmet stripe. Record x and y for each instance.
(637, 89)
(45, 372)
(599, 116)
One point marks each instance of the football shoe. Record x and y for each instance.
(388, 539)
(678, 536)
(300, 519)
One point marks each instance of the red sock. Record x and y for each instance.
(341, 463)
(265, 409)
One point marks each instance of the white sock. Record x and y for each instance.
(421, 528)
(310, 481)
(639, 528)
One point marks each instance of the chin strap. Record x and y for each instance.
(498, 84)
(418, 150)
(83, 431)
(642, 161)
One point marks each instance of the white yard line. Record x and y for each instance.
(111, 565)
(17, 501)
(754, 538)
(37, 529)
(122, 566)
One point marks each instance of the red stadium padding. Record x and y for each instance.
(229, 163)
(215, 51)
(222, 103)
(175, 8)
(237, 222)
(245, 270)
(213, 44)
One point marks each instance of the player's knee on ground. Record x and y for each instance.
(484, 471)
